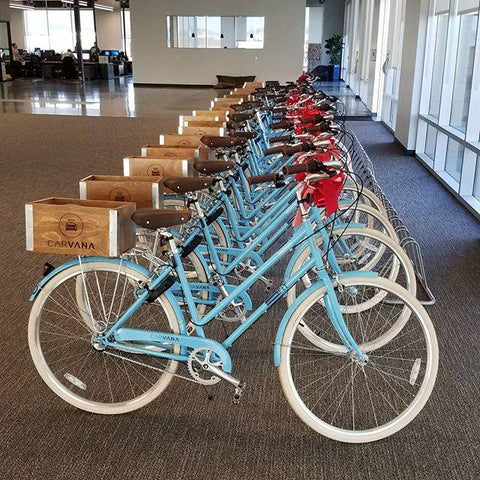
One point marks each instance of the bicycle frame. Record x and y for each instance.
(168, 341)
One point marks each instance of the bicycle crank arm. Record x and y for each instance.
(218, 372)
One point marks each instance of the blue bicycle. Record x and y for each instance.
(108, 336)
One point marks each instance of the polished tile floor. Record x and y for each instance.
(354, 107)
(120, 98)
(106, 98)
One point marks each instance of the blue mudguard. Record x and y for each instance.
(134, 266)
(286, 318)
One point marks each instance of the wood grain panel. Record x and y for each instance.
(81, 227)
(146, 192)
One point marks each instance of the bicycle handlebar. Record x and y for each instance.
(271, 151)
(298, 148)
(270, 177)
(280, 125)
(321, 127)
(282, 139)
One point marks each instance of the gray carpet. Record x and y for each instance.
(183, 435)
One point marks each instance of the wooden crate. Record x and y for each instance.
(160, 151)
(201, 131)
(176, 140)
(225, 108)
(157, 167)
(243, 95)
(224, 102)
(204, 123)
(221, 114)
(146, 192)
(252, 85)
(79, 227)
(198, 118)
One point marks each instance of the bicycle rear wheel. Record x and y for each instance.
(61, 328)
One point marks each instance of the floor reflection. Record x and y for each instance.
(120, 98)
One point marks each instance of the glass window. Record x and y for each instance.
(215, 32)
(127, 41)
(60, 30)
(253, 32)
(36, 30)
(431, 142)
(88, 28)
(438, 64)
(54, 29)
(464, 71)
(200, 32)
(476, 184)
(454, 160)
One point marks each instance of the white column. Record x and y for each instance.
(416, 16)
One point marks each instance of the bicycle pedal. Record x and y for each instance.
(237, 396)
(190, 328)
(267, 282)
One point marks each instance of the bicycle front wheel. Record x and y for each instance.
(63, 324)
(352, 401)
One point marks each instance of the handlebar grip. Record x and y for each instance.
(280, 125)
(315, 119)
(282, 139)
(270, 177)
(294, 169)
(300, 147)
(271, 151)
(313, 166)
(321, 127)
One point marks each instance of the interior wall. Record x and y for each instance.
(109, 30)
(155, 63)
(334, 12)
(416, 16)
(4, 10)
(17, 27)
(315, 25)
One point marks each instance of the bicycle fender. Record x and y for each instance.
(168, 294)
(286, 318)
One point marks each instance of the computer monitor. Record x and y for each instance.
(86, 56)
(114, 53)
(105, 53)
(37, 52)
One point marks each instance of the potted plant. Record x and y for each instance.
(333, 47)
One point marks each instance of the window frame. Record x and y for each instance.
(172, 42)
(468, 140)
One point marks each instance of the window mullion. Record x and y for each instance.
(450, 65)
(429, 59)
(467, 178)
(472, 133)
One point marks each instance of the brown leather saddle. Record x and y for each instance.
(240, 117)
(223, 142)
(153, 218)
(247, 135)
(213, 166)
(187, 184)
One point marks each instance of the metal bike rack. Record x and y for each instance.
(363, 167)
